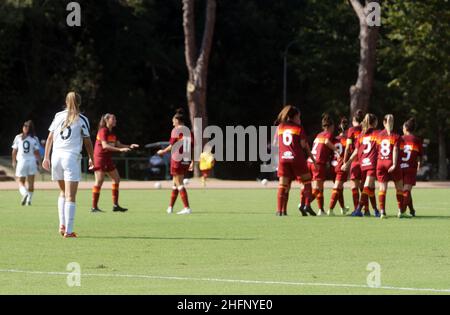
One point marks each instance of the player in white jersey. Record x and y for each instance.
(68, 132)
(26, 159)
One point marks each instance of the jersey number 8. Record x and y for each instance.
(385, 147)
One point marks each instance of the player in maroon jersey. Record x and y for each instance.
(292, 162)
(355, 170)
(411, 151)
(388, 168)
(105, 145)
(340, 177)
(181, 145)
(322, 151)
(366, 150)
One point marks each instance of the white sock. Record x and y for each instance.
(30, 196)
(23, 191)
(69, 212)
(62, 217)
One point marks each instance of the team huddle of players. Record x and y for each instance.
(361, 154)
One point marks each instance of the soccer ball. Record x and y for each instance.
(157, 185)
(264, 182)
(186, 181)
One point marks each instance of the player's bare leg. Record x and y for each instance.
(115, 177)
(178, 180)
(30, 180)
(23, 190)
(355, 186)
(399, 194)
(369, 188)
(382, 199)
(61, 206)
(307, 195)
(283, 193)
(337, 195)
(318, 187)
(71, 189)
(99, 179)
(406, 200)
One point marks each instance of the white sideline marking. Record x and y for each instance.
(307, 284)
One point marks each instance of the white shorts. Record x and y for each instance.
(66, 167)
(26, 168)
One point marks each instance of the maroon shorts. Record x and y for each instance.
(409, 176)
(103, 164)
(292, 170)
(383, 176)
(179, 168)
(337, 174)
(341, 176)
(366, 173)
(319, 172)
(355, 171)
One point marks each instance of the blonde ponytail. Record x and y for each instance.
(369, 121)
(73, 102)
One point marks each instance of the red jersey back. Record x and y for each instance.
(386, 144)
(340, 142)
(366, 145)
(352, 136)
(187, 145)
(320, 151)
(104, 134)
(410, 149)
(290, 136)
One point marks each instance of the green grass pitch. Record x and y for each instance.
(231, 235)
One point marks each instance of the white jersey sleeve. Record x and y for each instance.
(15, 144)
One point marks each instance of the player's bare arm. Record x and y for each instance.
(89, 149)
(394, 160)
(48, 148)
(346, 165)
(38, 158)
(118, 148)
(331, 146)
(127, 146)
(164, 151)
(347, 150)
(13, 158)
(306, 147)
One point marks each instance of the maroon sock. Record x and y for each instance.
(334, 198)
(95, 196)
(173, 196)
(341, 198)
(355, 195)
(184, 197)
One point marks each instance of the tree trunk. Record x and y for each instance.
(443, 168)
(368, 36)
(197, 63)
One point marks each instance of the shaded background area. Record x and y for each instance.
(128, 59)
